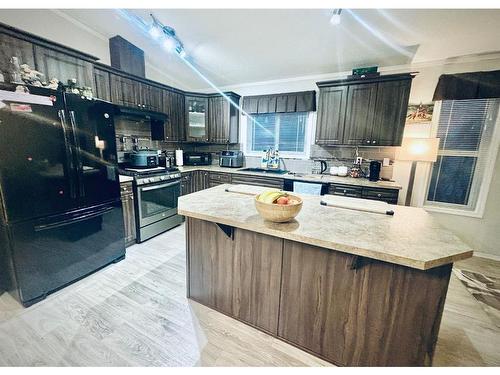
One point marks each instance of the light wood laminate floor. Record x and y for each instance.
(135, 313)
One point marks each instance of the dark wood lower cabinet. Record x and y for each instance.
(349, 310)
(379, 314)
(271, 182)
(238, 276)
(127, 197)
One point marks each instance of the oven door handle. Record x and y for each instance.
(148, 188)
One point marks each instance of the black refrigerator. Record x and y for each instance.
(60, 209)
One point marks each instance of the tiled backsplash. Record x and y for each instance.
(334, 155)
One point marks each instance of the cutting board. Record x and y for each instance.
(357, 204)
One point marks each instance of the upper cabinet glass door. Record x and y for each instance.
(197, 118)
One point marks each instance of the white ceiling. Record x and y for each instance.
(232, 47)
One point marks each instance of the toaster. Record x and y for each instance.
(231, 159)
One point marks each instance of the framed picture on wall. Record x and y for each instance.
(419, 113)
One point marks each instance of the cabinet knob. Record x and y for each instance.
(367, 141)
(374, 142)
(139, 105)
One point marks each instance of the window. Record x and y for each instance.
(467, 149)
(287, 131)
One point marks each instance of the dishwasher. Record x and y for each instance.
(306, 187)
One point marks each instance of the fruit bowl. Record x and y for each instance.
(279, 213)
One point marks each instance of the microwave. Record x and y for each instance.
(197, 158)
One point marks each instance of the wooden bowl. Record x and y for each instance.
(278, 213)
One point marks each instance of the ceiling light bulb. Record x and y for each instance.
(155, 32)
(335, 20)
(169, 44)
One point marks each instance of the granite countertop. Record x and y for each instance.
(326, 178)
(410, 238)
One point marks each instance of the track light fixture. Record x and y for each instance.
(170, 41)
(335, 19)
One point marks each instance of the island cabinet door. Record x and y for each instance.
(239, 276)
(356, 312)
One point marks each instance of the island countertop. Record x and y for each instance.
(410, 238)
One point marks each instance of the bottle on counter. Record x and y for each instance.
(265, 159)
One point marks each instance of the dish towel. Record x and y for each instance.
(306, 188)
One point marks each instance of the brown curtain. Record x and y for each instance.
(475, 85)
(304, 101)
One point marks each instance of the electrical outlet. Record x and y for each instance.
(386, 162)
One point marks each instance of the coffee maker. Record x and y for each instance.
(375, 167)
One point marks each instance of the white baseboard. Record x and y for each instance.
(486, 255)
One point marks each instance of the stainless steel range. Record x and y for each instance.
(156, 192)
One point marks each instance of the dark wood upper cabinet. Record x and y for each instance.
(196, 118)
(390, 113)
(19, 48)
(363, 112)
(151, 97)
(102, 84)
(359, 114)
(331, 115)
(173, 104)
(125, 91)
(223, 119)
(55, 64)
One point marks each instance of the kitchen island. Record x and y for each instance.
(354, 288)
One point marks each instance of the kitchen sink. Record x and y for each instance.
(264, 170)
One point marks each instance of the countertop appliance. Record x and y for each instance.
(60, 210)
(322, 166)
(156, 191)
(143, 158)
(166, 159)
(197, 158)
(375, 167)
(231, 159)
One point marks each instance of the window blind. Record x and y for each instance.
(286, 130)
(465, 129)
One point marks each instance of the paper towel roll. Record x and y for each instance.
(179, 160)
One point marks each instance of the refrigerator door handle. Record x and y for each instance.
(79, 166)
(63, 223)
(69, 152)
